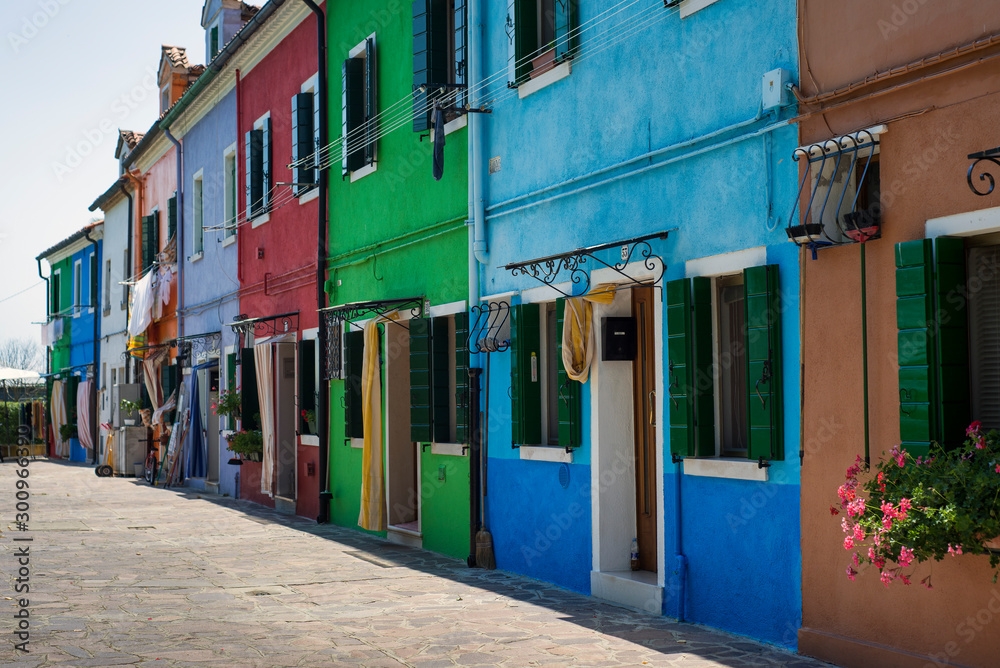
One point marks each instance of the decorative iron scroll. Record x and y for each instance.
(334, 317)
(856, 225)
(243, 327)
(992, 156)
(546, 270)
(200, 344)
(487, 328)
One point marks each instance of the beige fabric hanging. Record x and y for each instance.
(372, 516)
(58, 403)
(578, 331)
(263, 354)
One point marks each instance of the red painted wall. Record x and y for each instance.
(278, 258)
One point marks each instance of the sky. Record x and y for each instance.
(71, 68)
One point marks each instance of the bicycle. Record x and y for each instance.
(149, 470)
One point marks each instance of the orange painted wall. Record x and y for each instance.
(932, 126)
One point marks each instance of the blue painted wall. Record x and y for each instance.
(210, 297)
(81, 323)
(655, 82)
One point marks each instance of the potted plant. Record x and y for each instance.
(228, 404)
(248, 445)
(910, 510)
(310, 419)
(68, 431)
(129, 410)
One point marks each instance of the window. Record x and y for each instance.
(229, 186)
(92, 279)
(172, 217)
(164, 98)
(545, 403)
(544, 34)
(439, 55)
(308, 387)
(359, 126)
(305, 137)
(77, 287)
(258, 156)
(150, 239)
(107, 287)
(197, 196)
(724, 367)
(56, 295)
(213, 42)
(439, 373)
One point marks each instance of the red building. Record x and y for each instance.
(277, 114)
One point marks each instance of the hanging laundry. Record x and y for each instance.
(166, 278)
(83, 414)
(438, 115)
(142, 301)
(58, 328)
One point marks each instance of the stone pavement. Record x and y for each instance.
(125, 574)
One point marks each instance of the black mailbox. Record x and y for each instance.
(618, 339)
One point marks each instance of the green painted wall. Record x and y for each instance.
(393, 234)
(60, 351)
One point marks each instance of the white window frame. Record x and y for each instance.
(198, 215)
(266, 216)
(230, 208)
(372, 168)
(309, 335)
(77, 287)
(444, 310)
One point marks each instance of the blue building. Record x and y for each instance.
(644, 147)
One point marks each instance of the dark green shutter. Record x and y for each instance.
(267, 177)
(430, 54)
(568, 390)
(954, 405)
(440, 380)
(371, 101)
(249, 399)
(231, 371)
(463, 407)
(522, 39)
(702, 388)
(915, 345)
(354, 361)
(302, 140)
(566, 28)
(353, 115)
(680, 368)
(171, 217)
(763, 346)
(307, 380)
(248, 154)
(420, 381)
(526, 393)
(255, 173)
(214, 45)
(147, 242)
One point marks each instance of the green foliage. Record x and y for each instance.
(246, 443)
(68, 431)
(228, 404)
(129, 406)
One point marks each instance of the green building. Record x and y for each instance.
(399, 247)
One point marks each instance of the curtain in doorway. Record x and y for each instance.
(578, 331)
(263, 355)
(83, 414)
(195, 442)
(372, 515)
(58, 403)
(151, 375)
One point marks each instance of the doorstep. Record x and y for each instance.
(212, 487)
(195, 483)
(283, 505)
(402, 535)
(636, 589)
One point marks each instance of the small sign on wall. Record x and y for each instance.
(494, 165)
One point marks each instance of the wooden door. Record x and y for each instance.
(644, 404)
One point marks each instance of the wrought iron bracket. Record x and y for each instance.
(486, 329)
(334, 317)
(243, 326)
(546, 270)
(990, 155)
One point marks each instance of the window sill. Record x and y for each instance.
(543, 453)
(358, 443)
(309, 439)
(260, 220)
(560, 71)
(363, 172)
(229, 241)
(689, 7)
(734, 469)
(309, 196)
(451, 449)
(453, 126)
(194, 257)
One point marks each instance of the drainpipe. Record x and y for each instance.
(325, 496)
(180, 232)
(128, 196)
(680, 559)
(476, 132)
(96, 350)
(239, 172)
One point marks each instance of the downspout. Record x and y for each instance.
(680, 567)
(240, 173)
(480, 247)
(325, 496)
(128, 196)
(96, 354)
(180, 231)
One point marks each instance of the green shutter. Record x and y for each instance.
(915, 345)
(249, 399)
(353, 115)
(763, 346)
(231, 371)
(567, 16)
(371, 104)
(171, 217)
(354, 360)
(307, 381)
(430, 55)
(302, 140)
(440, 380)
(266, 164)
(690, 379)
(525, 363)
(463, 399)
(420, 380)
(255, 165)
(954, 405)
(214, 46)
(702, 388)
(147, 242)
(522, 39)
(568, 390)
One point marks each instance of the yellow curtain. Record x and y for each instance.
(372, 515)
(578, 331)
